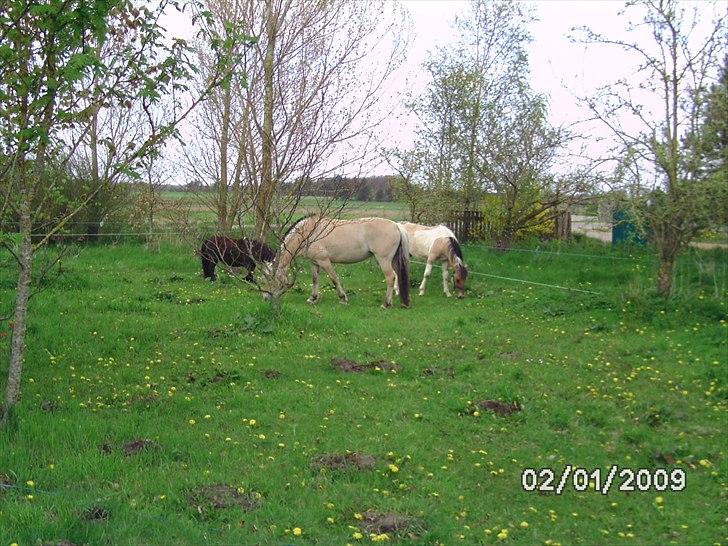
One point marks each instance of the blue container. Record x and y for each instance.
(624, 230)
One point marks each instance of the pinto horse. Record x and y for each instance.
(234, 253)
(438, 244)
(325, 241)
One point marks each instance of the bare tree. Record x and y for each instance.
(307, 108)
(652, 115)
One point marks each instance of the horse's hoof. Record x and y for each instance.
(312, 301)
(421, 293)
(344, 301)
(385, 306)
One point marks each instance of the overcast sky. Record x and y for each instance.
(559, 68)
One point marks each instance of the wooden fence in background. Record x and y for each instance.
(466, 224)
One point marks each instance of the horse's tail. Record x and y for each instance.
(456, 256)
(401, 264)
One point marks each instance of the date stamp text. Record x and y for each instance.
(548, 480)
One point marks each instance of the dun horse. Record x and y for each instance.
(437, 244)
(234, 253)
(326, 241)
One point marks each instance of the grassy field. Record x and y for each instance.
(146, 386)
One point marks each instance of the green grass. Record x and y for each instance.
(135, 345)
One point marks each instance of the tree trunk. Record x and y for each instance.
(664, 275)
(267, 184)
(562, 225)
(152, 241)
(20, 316)
(92, 228)
(223, 181)
(505, 240)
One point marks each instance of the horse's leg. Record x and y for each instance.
(428, 272)
(445, 284)
(326, 265)
(315, 269)
(396, 285)
(390, 276)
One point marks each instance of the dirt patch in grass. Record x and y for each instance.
(135, 447)
(220, 496)
(49, 406)
(348, 461)
(435, 370)
(96, 513)
(499, 408)
(6, 480)
(664, 458)
(106, 448)
(509, 354)
(271, 374)
(391, 522)
(352, 366)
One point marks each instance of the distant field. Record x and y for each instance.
(308, 204)
(158, 408)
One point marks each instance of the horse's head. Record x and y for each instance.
(267, 268)
(461, 275)
(276, 282)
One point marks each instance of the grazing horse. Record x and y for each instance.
(438, 244)
(234, 253)
(324, 241)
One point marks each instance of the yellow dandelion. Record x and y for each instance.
(393, 468)
(297, 531)
(503, 534)
(358, 516)
(523, 525)
(357, 535)
(30, 483)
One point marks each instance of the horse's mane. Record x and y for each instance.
(457, 251)
(455, 247)
(294, 224)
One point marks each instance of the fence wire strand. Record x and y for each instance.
(520, 280)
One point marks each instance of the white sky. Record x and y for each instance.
(559, 68)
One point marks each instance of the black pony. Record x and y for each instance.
(234, 253)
